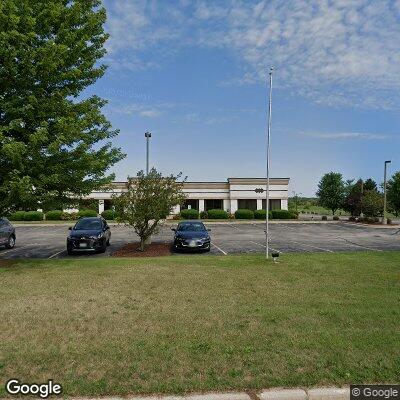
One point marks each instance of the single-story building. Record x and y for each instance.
(234, 194)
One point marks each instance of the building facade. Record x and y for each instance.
(234, 194)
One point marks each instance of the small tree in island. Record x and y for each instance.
(147, 201)
(331, 191)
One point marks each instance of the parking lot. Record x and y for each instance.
(36, 241)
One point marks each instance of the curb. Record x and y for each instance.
(323, 393)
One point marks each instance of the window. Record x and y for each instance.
(194, 204)
(213, 204)
(274, 204)
(249, 204)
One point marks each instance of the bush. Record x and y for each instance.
(284, 214)
(217, 214)
(109, 214)
(262, 214)
(33, 216)
(244, 214)
(67, 216)
(352, 219)
(204, 215)
(324, 218)
(190, 214)
(55, 215)
(87, 213)
(335, 218)
(17, 216)
(389, 221)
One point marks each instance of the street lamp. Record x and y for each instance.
(147, 135)
(271, 70)
(384, 219)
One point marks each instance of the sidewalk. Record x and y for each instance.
(269, 394)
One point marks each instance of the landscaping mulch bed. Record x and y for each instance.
(151, 250)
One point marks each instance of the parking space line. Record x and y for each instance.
(263, 245)
(56, 254)
(314, 247)
(14, 248)
(360, 245)
(219, 249)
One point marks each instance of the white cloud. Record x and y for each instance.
(335, 52)
(346, 135)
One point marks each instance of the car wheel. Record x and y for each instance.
(11, 242)
(108, 242)
(69, 251)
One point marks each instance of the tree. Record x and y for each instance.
(331, 191)
(54, 143)
(147, 201)
(353, 200)
(370, 184)
(393, 193)
(372, 203)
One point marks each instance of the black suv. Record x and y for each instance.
(91, 234)
(7, 233)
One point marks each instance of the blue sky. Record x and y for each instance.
(194, 73)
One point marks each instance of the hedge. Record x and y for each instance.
(244, 214)
(204, 215)
(217, 214)
(26, 216)
(190, 214)
(55, 215)
(109, 214)
(262, 214)
(87, 213)
(284, 214)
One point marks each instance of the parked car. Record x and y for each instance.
(89, 234)
(191, 235)
(7, 233)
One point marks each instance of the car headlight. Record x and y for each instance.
(100, 235)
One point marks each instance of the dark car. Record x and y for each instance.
(7, 233)
(89, 234)
(191, 235)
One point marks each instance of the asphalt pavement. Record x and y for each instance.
(38, 241)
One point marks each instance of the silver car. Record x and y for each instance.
(7, 233)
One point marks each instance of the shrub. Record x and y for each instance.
(109, 214)
(284, 214)
(352, 219)
(217, 214)
(204, 215)
(17, 216)
(33, 216)
(244, 214)
(376, 219)
(336, 218)
(190, 214)
(87, 213)
(389, 221)
(324, 218)
(262, 214)
(67, 216)
(55, 215)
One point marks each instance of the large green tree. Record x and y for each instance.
(331, 191)
(55, 144)
(393, 193)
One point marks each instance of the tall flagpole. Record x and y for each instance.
(268, 164)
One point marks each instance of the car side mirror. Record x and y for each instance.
(173, 229)
(209, 230)
(70, 228)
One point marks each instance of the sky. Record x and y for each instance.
(195, 74)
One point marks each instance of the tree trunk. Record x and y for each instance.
(142, 242)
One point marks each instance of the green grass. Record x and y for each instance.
(200, 323)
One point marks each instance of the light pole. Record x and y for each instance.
(147, 135)
(271, 70)
(361, 199)
(384, 219)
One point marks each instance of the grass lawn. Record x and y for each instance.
(198, 323)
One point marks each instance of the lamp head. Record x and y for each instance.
(147, 134)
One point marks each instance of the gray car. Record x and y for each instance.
(7, 233)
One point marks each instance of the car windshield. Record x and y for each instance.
(193, 227)
(88, 224)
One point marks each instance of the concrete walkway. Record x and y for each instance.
(270, 394)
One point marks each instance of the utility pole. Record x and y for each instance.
(384, 219)
(268, 164)
(147, 135)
